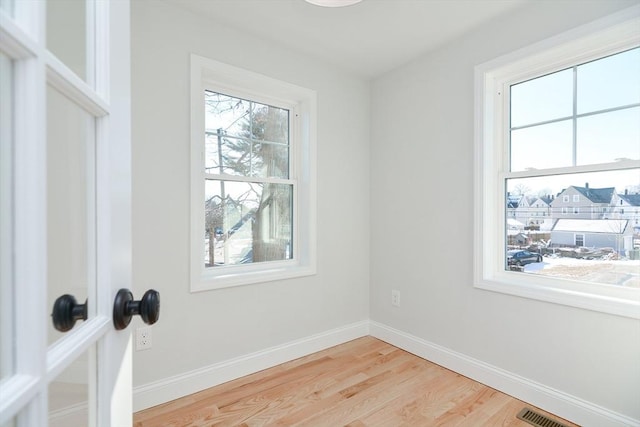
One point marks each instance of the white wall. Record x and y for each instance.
(198, 330)
(422, 219)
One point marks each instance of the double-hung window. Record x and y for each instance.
(561, 120)
(252, 181)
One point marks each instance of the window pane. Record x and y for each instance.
(270, 124)
(593, 237)
(245, 138)
(541, 99)
(542, 147)
(271, 160)
(247, 222)
(609, 137)
(610, 82)
(69, 393)
(227, 155)
(226, 114)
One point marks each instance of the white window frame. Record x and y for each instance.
(576, 198)
(207, 74)
(614, 33)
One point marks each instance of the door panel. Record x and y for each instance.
(65, 211)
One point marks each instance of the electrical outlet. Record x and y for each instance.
(143, 338)
(395, 297)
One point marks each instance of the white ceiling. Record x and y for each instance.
(369, 38)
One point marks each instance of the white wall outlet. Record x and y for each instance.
(143, 338)
(395, 297)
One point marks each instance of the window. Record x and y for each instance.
(248, 190)
(561, 115)
(252, 177)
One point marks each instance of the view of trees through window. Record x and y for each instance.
(578, 224)
(248, 191)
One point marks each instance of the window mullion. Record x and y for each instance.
(578, 116)
(575, 118)
(251, 179)
(251, 139)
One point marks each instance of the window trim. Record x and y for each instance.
(219, 77)
(605, 36)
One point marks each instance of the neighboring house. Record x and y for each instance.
(626, 206)
(597, 233)
(537, 212)
(513, 203)
(530, 210)
(582, 203)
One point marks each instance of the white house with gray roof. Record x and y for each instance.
(626, 206)
(596, 233)
(582, 202)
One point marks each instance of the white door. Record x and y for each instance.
(65, 188)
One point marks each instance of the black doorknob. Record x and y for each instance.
(124, 308)
(66, 311)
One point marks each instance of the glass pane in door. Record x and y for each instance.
(7, 7)
(6, 217)
(11, 423)
(72, 391)
(70, 202)
(67, 33)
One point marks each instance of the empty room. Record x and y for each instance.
(320, 212)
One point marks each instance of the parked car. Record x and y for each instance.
(520, 257)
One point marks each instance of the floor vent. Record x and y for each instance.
(538, 420)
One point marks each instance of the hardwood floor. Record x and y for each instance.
(365, 382)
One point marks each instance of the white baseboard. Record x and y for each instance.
(557, 402)
(171, 388)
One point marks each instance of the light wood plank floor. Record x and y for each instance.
(365, 382)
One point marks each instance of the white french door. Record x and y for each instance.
(64, 212)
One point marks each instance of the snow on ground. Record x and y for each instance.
(618, 272)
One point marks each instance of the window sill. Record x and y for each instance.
(227, 277)
(623, 302)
